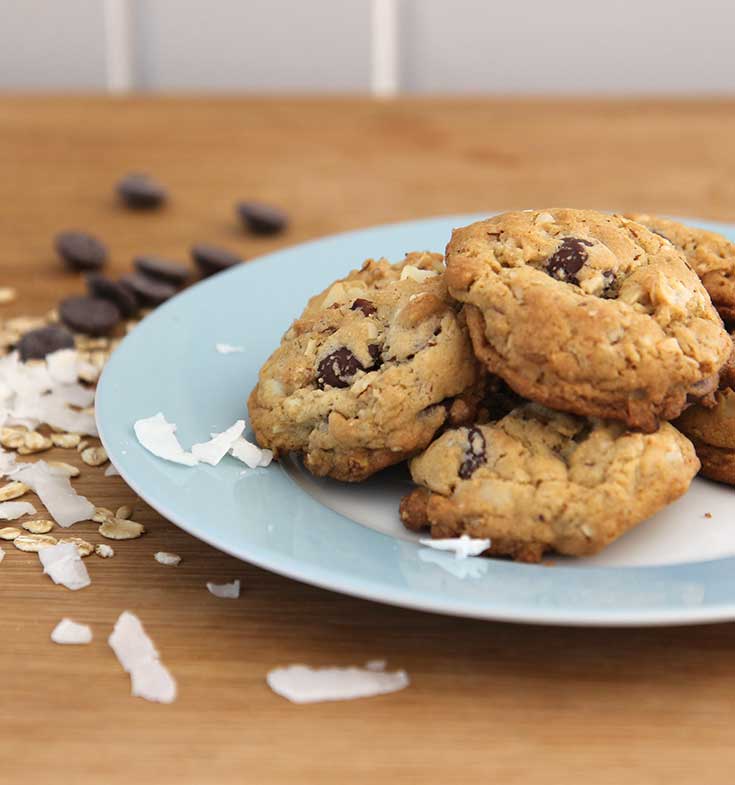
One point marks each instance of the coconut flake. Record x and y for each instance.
(69, 632)
(2, 554)
(459, 568)
(462, 547)
(226, 348)
(111, 471)
(62, 366)
(213, 451)
(225, 591)
(251, 454)
(416, 273)
(64, 565)
(301, 684)
(167, 559)
(7, 462)
(158, 436)
(375, 665)
(9, 511)
(137, 654)
(63, 503)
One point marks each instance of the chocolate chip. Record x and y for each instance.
(149, 291)
(90, 315)
(610, 289)
(80, 251)
(475, 455)
(99, 285)
(141, 192)
(262, 218)
(367, 308)
(211, 259)
(375, 353)
(36, 344)
(162, 269)
(337, 369)
(568, 259)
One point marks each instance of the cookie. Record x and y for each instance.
(539, 481)
(369, 372)
(711, 255)
(587, 313)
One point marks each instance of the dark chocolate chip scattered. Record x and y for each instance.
(367, 308)
(262, 218)
(141, 192)
(475, 455)
(337, 369)
(80, 251)
(211, 259)
(375, 353)
(36, 344)
(149, 291)
(99, 285)
(89, 315)
(568, 259)
(162, 269)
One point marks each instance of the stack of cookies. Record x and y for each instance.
(529, 377)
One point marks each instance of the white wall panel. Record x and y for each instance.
(52, 45)
(253, 45)
(567, 46)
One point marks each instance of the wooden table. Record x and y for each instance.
(490, 703)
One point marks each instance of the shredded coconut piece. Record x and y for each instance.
(111, 471)
(167, 559)
(9, 511)
(251, 454)
(462, 547)
(301, 684)
(64, 565)
(213, 451)
(2, 554)
(68, 631)
(158, 436)
(63, 503)
(226, 348)
(136, 652)
(62, 366)
(460, 568)
(104, 551)
(416, 273)
(225, 591)
(375, 665)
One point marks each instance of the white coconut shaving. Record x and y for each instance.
(462, 547)
(459, 568)
(375, 665)
(9, 511)
(250, 454)
(7, 462)
(213, 451)
(31, 394)
(158, 436)
(63, 503)
(167, 559)
(2, 554)
(227, 348)
(111, 471)
(71, 633)
(225, 591)
(136, 652)
(301, 684)
(64, 565)
(416, 273)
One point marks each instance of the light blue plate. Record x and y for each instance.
(284, 521)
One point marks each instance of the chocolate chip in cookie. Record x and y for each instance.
(365, 306)
(568, 259)
(337, 369)
(475, 455)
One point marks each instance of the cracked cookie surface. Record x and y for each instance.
(366, 376)
(539, 480)
(710, 254)
(588, 313)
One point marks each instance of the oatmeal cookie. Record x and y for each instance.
(587, 313)
(539, 481)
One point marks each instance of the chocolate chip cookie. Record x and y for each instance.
(710, 254)
(369, 372)
(588, 313)
(539, 481)
(712, 430)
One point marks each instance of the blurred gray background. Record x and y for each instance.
(368, 46)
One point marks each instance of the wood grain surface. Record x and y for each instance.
(490, 703)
